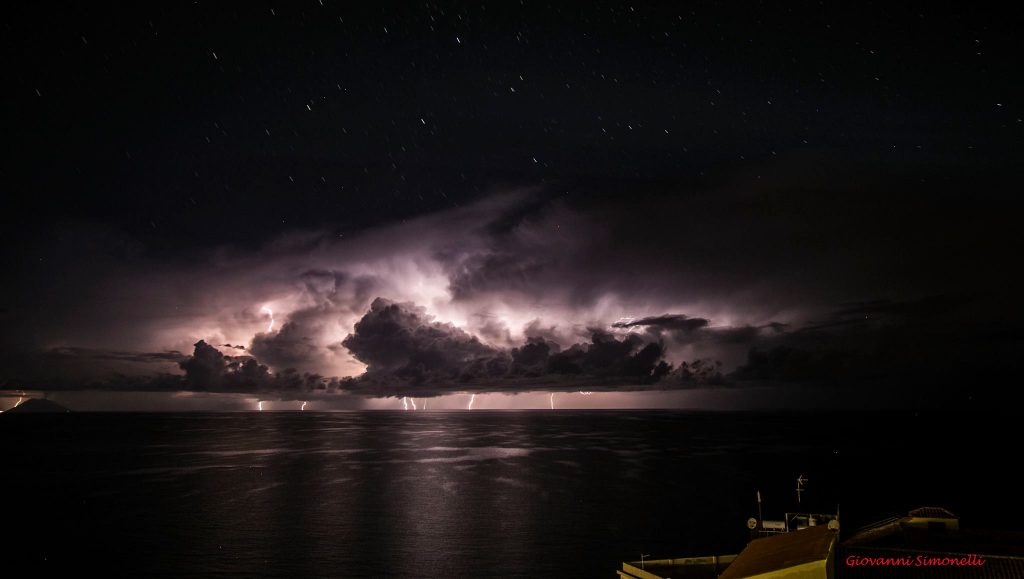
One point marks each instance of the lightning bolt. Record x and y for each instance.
(552, 400)
(271, 314)
(405, 402)
(260, 405)
(472, 399)
(20, 398)
(424, 404)
(303, 405)
(413, 400)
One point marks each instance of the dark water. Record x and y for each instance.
(465, 494)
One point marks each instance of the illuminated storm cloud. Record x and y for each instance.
(516, 293)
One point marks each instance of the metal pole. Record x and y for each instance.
(760, 516)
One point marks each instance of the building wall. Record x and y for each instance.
(712, 566)
(951, 524)
(812, 570)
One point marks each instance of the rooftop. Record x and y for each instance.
(899, 536)
(933, 513)
(1002, 551)
(782, 551)
(687, 568)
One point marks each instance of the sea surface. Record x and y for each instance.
(467, 494)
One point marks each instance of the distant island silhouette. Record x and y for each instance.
(37, 405)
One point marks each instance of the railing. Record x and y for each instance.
(877, 525)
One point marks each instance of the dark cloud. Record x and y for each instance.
(698, 373)
(860, 314)
(933, 347)
(293, 345)
(920, 308)
(532, 358)
(630, 359)
(304, 340)
(821, 364)
(534, 250)
(680, 329)
(115, 355)
(403, 347)
(494, 273)
(208, 370)
(402, 340)
(779, 245)
(493, 330)
(568, 266)
(670, 322)
(537, 329)
(922, 345)
(67, 367)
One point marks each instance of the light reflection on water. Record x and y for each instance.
(498, 494)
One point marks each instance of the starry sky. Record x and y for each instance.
(617, 205)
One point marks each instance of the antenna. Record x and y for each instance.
(800, 480)
(760, 517)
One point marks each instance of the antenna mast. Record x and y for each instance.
(760, 516)
(800, 480)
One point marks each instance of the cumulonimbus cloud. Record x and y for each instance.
(533, 290)
(407, 351)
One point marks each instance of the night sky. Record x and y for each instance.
(688, 205)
